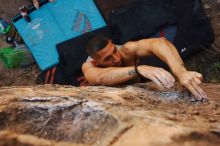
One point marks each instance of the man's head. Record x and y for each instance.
(103, 51)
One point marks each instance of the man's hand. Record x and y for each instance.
(191, 81)
(36, 3)
(158, 75)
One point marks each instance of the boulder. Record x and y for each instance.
(133, 115)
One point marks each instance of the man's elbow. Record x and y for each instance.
(92, 81)
(95, 80)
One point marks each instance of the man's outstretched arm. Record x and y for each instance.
(165, 50)
(118, 75)
(107, 76)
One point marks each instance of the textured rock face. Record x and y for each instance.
(137, 115)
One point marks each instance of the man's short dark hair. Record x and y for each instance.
(96, 43)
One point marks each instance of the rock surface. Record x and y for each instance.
(135, 115)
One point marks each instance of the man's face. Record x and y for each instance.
(109, 56)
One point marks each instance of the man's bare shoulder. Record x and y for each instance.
(132, 46)
(129, 46)
(140, 48)
(128, 49)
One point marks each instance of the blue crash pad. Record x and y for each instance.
(54, 23)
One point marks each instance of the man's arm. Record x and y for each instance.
(165, 50)
(159, 47)
(109, 75)
(118, 75)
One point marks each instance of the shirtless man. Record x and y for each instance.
(110, 65)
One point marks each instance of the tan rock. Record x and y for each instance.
(134, 115)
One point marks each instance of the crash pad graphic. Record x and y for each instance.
(54, 23)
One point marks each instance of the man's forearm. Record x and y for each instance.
(115, 75)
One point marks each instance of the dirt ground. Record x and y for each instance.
(206, 62)
(19, 76)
